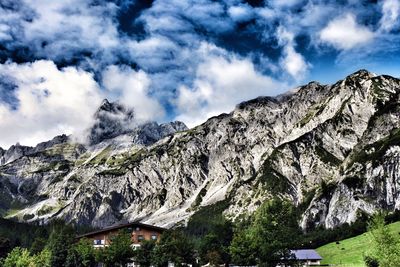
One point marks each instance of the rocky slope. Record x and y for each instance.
(333, 150)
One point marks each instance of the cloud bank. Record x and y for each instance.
(48, 101)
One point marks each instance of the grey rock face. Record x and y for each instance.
(14, 152)
(55, 141)
(17, 151)
(151, 132)
(333, 150)
(2, 151)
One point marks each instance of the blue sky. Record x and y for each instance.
(176, 60)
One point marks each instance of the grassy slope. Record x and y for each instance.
(349, 252)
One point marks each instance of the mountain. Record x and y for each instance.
(333, 150)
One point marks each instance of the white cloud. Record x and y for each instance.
(50, 102)
(390, 17)
(241, 12)
(266, 13)
(220, 84)
(344, 33)
(292, 61)
(132, 88)
(61, 29)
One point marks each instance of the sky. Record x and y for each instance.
(182, 60)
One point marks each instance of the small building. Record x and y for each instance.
(139, 232)
(307, 257)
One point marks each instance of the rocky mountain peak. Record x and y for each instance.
(117, 109)
(361, 74)
(14, 152)
(112, 107)
(110, 120)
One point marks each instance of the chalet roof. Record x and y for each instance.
(306, 254)
(121, 226)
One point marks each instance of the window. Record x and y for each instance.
(140, 238)
(98, 242)
(137, 228)
(154, 237)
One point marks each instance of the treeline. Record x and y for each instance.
(30, 236)
(265, 238)
(14, 234)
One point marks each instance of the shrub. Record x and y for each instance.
(370, 261)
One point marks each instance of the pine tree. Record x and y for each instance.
(60, 242)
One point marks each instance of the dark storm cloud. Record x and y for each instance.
(128, 18)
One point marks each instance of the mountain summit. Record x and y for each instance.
(113, 119)
(333, 150)
(110, 120)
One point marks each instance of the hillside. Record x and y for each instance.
(332, 150)
(350, 251)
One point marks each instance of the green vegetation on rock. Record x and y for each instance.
(271, 178)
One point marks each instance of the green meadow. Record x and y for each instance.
(349, 252)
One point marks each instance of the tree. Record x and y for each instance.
(242, 249)
(386, 248)
(176, 247)
(86, 252)
(38, 245)
(18, 257)
(143, 255)
(42, 259)
(73, 259)
(59, 244)
(213, 251)
(270, 236)
(160, 256)
(120, 252)
(81, 254)
(214, 247)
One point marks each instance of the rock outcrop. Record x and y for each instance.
(333, 150)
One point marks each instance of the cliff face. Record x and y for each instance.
(333, 150)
